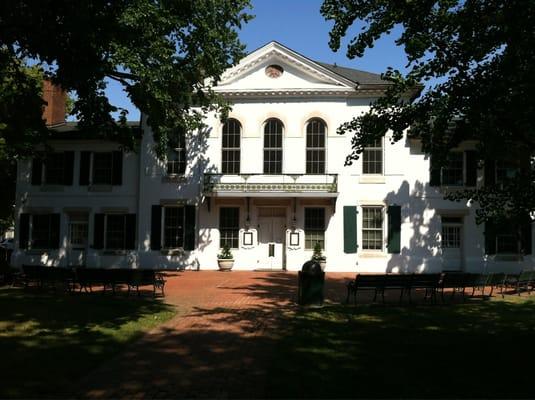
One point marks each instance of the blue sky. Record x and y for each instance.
(298, 25)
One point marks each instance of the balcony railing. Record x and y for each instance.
(295, 184)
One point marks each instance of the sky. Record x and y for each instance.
(297, 24)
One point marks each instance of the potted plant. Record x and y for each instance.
(319, 257)
(225, 259)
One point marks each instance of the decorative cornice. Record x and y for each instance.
(263, 93)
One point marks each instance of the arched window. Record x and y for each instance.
(315, 163)
(231, 147)
(273, 146)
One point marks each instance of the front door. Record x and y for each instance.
(78, 235)
(452, 243)
(272, 225)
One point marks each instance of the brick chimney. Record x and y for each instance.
(54, 111)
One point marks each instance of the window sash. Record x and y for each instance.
(115, 237)
(230, 161)
(41, 232)
(229, 227)
(273, 130)
(102, 170)
(453, 173)
(314, 227)
(315, 147)
(78, 233)
(372, 228)
(372, 158)
(176, 161)
(451, 236)
(173, 227)
(54, 167)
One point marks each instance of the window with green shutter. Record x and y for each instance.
(350, 229)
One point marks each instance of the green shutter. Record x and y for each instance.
(131, 229)
(85, 162)
(37, 170)
(189, 223)
(98, 232)
(24, 231)
(68, 168)
(471, 168)
(117, 169)
(394, 229)
(490, 172)
(55, 221)
(434, 173)
(490, 238)
(526, 236)
(350, 229)
(156, 227)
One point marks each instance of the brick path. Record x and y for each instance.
(217, 345)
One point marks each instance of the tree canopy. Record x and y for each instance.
(477, 59)
(166, 54)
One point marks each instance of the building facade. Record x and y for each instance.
(270, 182)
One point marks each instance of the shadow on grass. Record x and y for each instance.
(48, 341)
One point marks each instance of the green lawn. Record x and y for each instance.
(48, 341)
(478, 349)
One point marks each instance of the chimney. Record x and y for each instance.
(54, 111)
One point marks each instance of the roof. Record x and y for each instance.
(355, 75)
(69, 130)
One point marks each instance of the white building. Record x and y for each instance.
(270, 182)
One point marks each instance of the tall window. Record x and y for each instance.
(315, 163)
(176, 155)
(452, 173)
(44, 232)
(273, 146)
(229, 226)
(116, 231)
(451, 232)
(102, 168)
(314, 227)
(372, 228)
(54, 169)
(173, 235)
(372, 158)
(231, 147)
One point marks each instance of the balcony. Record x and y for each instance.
(262, 185)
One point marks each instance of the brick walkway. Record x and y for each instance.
(216, 346)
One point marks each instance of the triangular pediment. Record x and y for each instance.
(292, 71)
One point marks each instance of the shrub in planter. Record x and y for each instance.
(225, 260)
(319, 257)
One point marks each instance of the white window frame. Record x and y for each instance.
(30, 235)
(124, 215)
(371, 148)
(463, 173)
(162, 233)
(362, 229)
(324, 228)
(455, 225)
(92, 165)
(44, 171)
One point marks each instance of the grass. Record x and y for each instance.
(478, 349)
(49, 341)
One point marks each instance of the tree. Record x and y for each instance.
(166, 54)
(477, 58)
